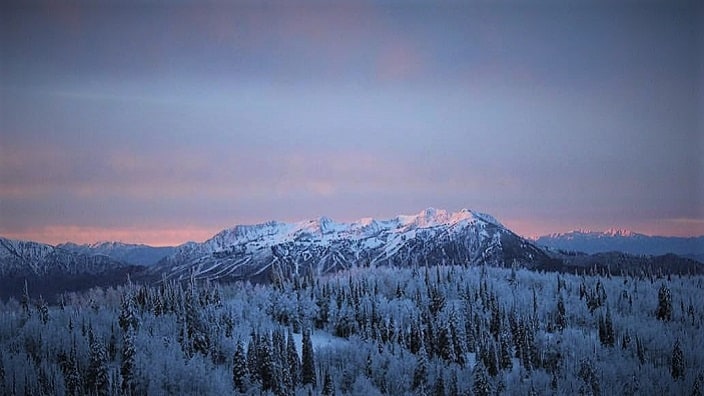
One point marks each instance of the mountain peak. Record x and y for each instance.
(619, 232)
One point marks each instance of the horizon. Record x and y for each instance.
(162, 123)
(208, 234)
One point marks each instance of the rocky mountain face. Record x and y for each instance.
(320, 246)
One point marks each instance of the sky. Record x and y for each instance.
(162, 122)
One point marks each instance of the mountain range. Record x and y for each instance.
(276, 250)
(624, 241)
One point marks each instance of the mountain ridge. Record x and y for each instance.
(623, 241)
(322, 245)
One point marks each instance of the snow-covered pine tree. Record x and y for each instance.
(128, 317)
(677, 367)
(481, 384)
(505, 362)
(664, 310)
(239, 368)
(253, 358)
(127, 367)
(292, 360)
(42, 310)
(560, 317)
(420, 374)
(265, 354)
(97, 375)
(590, 385)
(698, 385)
(308, 376)
(328, 386)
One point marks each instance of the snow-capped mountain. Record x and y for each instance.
(320, 246)
(136, 254)
(50, 269)
(623, 241)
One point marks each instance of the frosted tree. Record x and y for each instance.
(43, 310)
(328, 387)
(253, 358)
(664, 310)
(560, 317)
(481, 384)
(308, 360)
(505, 362)
(267, 372)
(677, 365)
(196, 329)
(72, 375)
(292, 360)
(97, 375)
(239, 368)
(698, 386)
(420, 374)
(606, 330)
(590, 384)
(127, 367)
(128, 316)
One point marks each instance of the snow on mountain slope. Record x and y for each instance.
(26, 258)
(622, 241)
(276, 249)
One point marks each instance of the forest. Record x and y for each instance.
(437, 330)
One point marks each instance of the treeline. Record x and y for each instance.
(425, 330)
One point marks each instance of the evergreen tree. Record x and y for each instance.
(481, 384)
(505, 362)
(72, 375)
(664, 310)
(128, 364)
(420, 374)
(609, 329)
(25, 301)
(196, 329)
(239, 368)
(590, 385)
(640, 350)
(308, 360)
(445, 345)
(253, 358)
(416, 338)
(678, 367)
(560, 317)
(266, 363)
(292, 360)
(128, 316)
(328, 387)
(42, 310)
(97, 375)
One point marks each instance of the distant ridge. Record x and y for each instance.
(623, 241)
